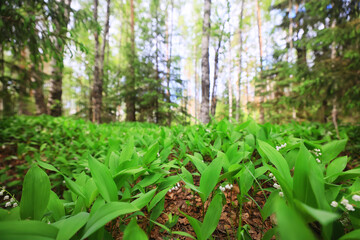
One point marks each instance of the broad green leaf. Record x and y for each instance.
(27, 230)
(70, 226)
(55, 206)
(10, 214)
(151, 153)
(332, 149)
(74, 187)
(291, 225)
(127, 152)
(212, 217)
(246, 178)
(277, 159)
(335, 167)
(196, 225)
(270, 233)
(185, 234)
(354, 235)
(323, 217)
(309, 186)
(35, 194)
(187, 175)
(158, 198)
(199, 164)
(270, 205)
(133, 231)
(144, 199)
(301, 185)
(106, 213)
(113, 162)
(161, 225)
(103, 180)
(253, 127)
(47, 166)
(209, 178)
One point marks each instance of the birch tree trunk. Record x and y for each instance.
(291, 45)
(196, 85)
(230, 84)
(55, 100)
(238, 101)
(205, 69)
(262, 120)
(168, 59)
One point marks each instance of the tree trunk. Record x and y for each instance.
(24, 84)
(168, 59)
(291, 45)
(6, 97)
(230, 84)
(238, 101)
(196, 85)
(97, 86)
(205, 69)
(262, 120)
(130, 96)
(99, 65)
(55, 104)
(216, 69)
(39, 92)
(334, 109)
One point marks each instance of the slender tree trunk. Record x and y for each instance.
(130, 96)
(230, 84)
(97, 86)
(196, 85)
(216, 69)
(238, 85)
(6, 97)
(291, 45)
(334, 109)
(55, 100)
(205, 69)
(262, 120)
(97, 90)
(168, 60)
(24, 85)
(157, 78)
(39, 93)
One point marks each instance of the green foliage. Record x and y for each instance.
(114, 172)
(35, 194)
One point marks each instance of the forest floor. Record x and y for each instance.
(182, 200)
(176, 202)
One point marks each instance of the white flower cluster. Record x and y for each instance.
(356, 198)
(11, 202)
(227, 187)
(276, 185)
(272, 176)
(2, 192)
(177, 186)
(317, 153)
(281, 146)
(347, 205)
